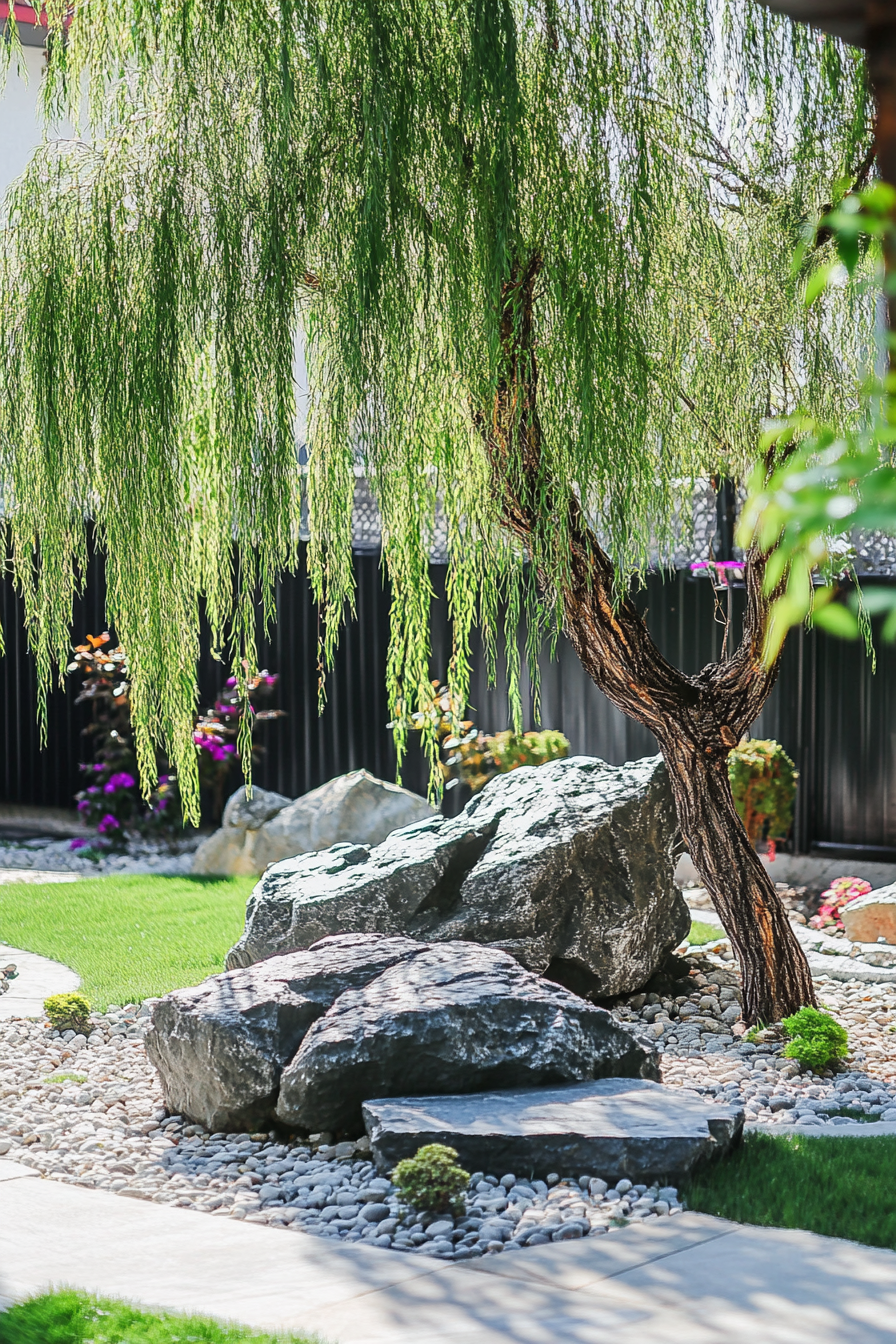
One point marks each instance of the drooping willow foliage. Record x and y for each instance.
(375, 176)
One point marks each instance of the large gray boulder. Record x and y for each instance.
(268, 827)
(615, 1126)
(220, 1047)
(567, 867)
(453, 1018)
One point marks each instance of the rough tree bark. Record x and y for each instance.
(696, 720)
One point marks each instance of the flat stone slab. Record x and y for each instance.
(612, 1126)
(37, 978)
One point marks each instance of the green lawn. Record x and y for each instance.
(128, 937)
(837, 1187)
(74, 1318)
(705, 933)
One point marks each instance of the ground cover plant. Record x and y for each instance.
(75, 1318)
(128, 937)
(842, 891)
(835, 1186)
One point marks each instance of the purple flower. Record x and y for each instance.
(108, 823)
(94, 788)
(121, 780)
(77, 844)
(231, 681)
(83, 806)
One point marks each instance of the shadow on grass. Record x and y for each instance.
(838, 1187)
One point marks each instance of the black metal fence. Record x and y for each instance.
(833, 714)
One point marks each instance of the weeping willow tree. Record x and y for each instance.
(539, 254)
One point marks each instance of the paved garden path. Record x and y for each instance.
(37, 978)
(686, 1280)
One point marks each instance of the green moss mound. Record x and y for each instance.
(815, 1039)
(431, 1180)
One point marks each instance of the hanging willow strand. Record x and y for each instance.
(375, 175)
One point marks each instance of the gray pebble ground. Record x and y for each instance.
(88, 1111)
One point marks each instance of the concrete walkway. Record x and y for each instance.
(684, 1280)
(38, 978)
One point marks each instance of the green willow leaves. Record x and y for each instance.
(373, 178)
(831, 479)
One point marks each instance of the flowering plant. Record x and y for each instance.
(217, 732)
(473, 757)
(839, 893)
(110, 802)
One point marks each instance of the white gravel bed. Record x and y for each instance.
(700, 1036)
(90, 1112)
(58, 856)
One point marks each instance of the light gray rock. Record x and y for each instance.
(618, 1126)
(262, 830)
(454, 1017)
(567, 867)
(219, 1048)
(872, 916)
(356, 808)
(242, 813)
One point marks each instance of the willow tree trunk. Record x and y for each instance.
(776, 978)
(695, 719)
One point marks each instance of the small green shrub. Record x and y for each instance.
(815, 1039)
(432, 1181)
(473, 757)
(68, 1012)
(763, 781)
